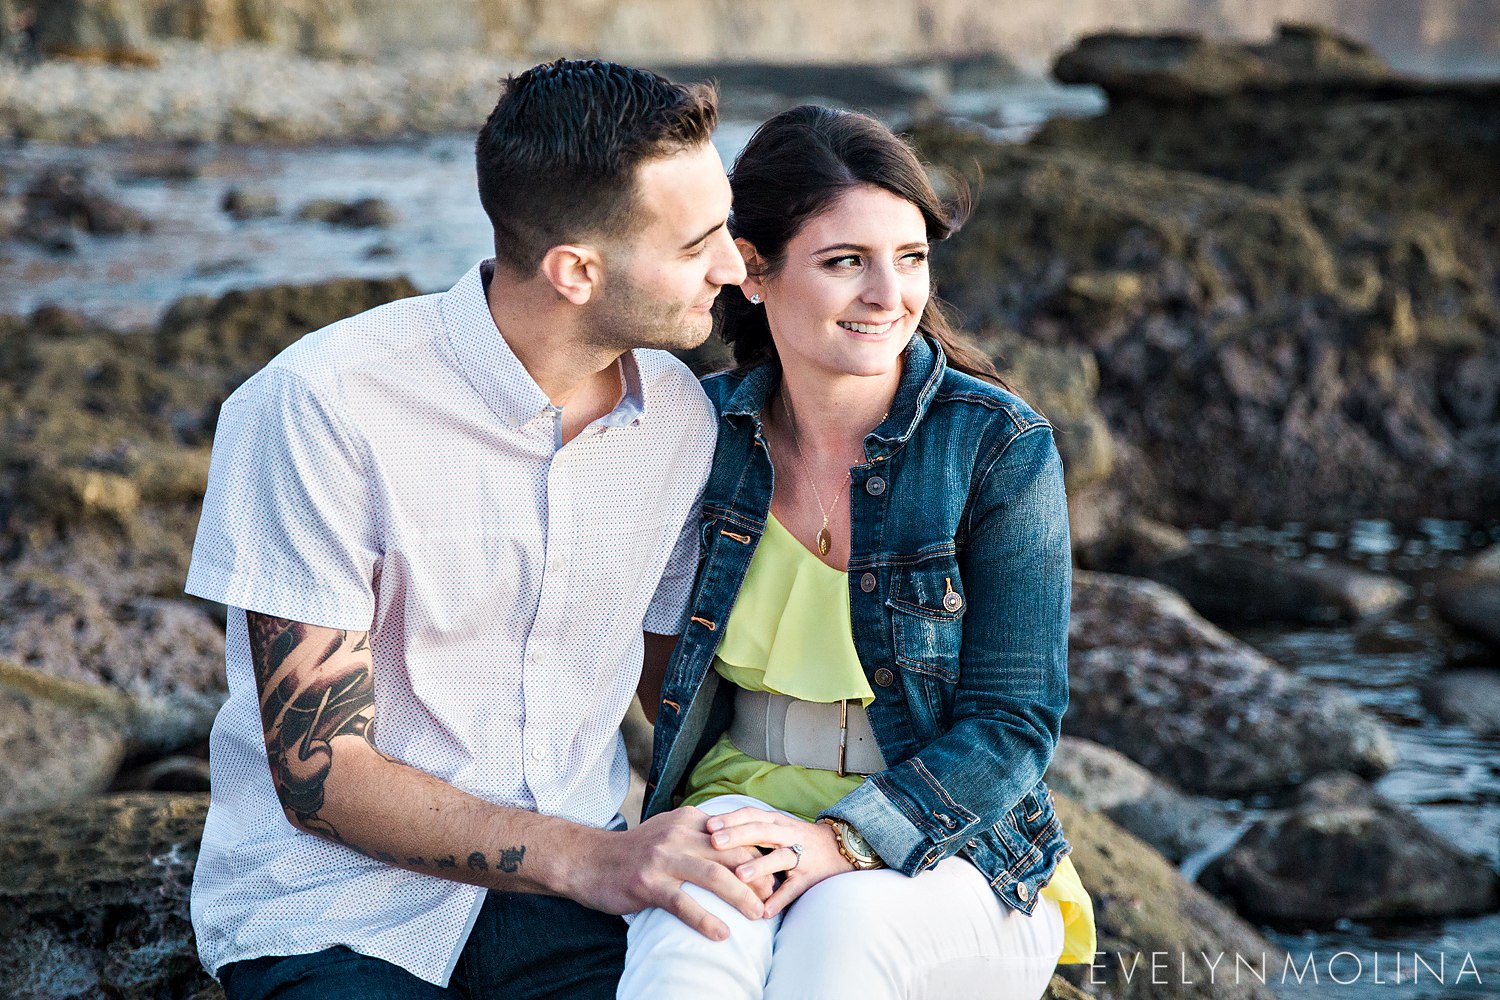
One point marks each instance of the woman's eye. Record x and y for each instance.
(698, 250)
(915, 259)
(848, 260)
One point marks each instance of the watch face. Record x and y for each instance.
(858, 845)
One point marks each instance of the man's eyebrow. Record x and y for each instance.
(914, 245)
(712, 229)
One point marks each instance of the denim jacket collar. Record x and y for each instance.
(923, 363)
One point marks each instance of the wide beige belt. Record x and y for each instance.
(783, 730)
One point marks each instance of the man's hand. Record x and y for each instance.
(647, 866)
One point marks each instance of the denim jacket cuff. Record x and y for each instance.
(908, 838)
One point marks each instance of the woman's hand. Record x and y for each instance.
(751, 827)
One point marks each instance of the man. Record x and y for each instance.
(448, 530)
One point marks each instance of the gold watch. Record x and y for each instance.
(853, 846)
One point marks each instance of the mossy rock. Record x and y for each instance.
(1143, 905)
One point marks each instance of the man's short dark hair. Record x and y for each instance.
(557, 157)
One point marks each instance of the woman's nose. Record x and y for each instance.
(882, 287)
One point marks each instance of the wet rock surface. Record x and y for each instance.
(1470, 598)
(1106, 781)
(94, 900)
(1150, 678)
(1299, 282)
(1468, 697)
(63, 203)
(1236, 585)
(1344, 852)
(364, 213)
(1143, 905)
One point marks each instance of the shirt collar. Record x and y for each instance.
(492, 368)
(923, 364)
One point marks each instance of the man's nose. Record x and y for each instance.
(728, 267)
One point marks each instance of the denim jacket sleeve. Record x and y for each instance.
(1008, 704)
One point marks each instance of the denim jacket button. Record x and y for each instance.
(1022, 893)
(867, 582)
(884, 677)
(971, 845)
(952, 602)
(947, 821)
(875, 486)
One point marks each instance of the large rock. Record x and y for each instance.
(1153, 680)
(1180, 67)
(244, 329)
(1147, 913)
(1235, 585)
(1470, 598)
(1344, 852)
(1264, 287)
(1106, 781)
(61, 740)
(1062, 384)
(62, 203)
(164, 657)
(104, 453)
(94, 900)
(1468, 697)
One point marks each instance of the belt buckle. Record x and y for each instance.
(843, 734)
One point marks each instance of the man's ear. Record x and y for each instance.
(575, 270)
(754, 268)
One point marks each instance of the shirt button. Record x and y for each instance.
(867, 582)
(556, 565)
(536, 754)
(874, 486)
(1022, 893)
(884, 677)
(534, 657)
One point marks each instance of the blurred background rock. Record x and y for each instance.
(1245, 254)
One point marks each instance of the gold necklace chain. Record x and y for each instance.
(825, 537)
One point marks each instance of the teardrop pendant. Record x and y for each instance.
(825, 540)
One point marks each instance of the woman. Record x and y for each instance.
(868, 689)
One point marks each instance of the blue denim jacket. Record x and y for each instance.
(959, 586)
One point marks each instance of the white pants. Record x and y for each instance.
(868, 935)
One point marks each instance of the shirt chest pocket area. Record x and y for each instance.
(927, 607)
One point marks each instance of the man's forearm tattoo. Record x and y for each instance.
(309, 694)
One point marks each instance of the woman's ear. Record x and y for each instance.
(576, 271)
(753, 285)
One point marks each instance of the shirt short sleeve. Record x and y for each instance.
(669, 605)
(288, 526)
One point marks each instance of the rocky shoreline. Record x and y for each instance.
(1217, 336)
(248, 93)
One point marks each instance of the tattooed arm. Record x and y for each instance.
(317, 706)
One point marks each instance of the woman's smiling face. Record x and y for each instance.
(851, 287)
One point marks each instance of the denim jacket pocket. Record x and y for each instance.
(927, 608)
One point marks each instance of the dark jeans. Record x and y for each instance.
(522, 947)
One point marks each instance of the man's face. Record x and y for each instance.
(663, 275)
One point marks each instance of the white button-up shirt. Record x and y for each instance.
(400, 472)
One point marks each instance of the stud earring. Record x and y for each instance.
(756, 299)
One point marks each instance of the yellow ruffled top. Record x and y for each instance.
(793, 614)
